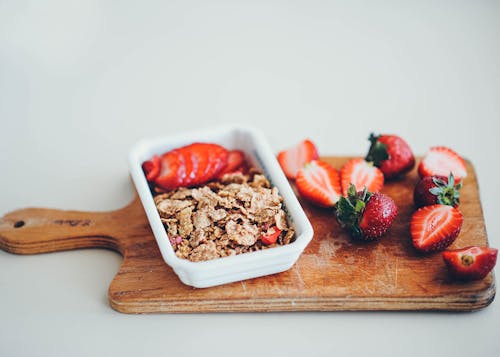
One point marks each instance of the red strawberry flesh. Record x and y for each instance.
(470, 263)
(170, 178)
(361, 174)
(293, 159)
(319, 183)
(235, 161)
(441, 161)
(151, 168)
(199, 156)
(190, 165)
(216, 161)
(271, 236)
(435, 227)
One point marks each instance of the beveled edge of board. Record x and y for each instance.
(467, 302)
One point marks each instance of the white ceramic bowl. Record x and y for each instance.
(238, 267)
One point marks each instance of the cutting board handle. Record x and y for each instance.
(41, 230)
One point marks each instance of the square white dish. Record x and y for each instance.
(234, 268)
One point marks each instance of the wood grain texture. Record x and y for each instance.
(334, 273)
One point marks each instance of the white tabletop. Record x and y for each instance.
(80, 82)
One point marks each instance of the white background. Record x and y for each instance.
(80, 82)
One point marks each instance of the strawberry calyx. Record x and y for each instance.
(350, 209)
(446, 193)
(377, 152)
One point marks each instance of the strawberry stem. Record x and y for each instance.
(467, 259)
(447, 193)
(377, 152)
(350, 209)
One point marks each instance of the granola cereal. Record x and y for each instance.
(224, 217)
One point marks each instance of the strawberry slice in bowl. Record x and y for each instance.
(293, 159)
(171, 173)
(235, 162)
(271, 236)
(319, 183)
(196, 164)
(217, 161)
(152, 168)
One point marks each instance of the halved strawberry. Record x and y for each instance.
(291, 160)
(151, 168)
(435, 227)
(441, 161)
(169, 177)
(361, 174)
(470, 263)
(319, 183)
(235, 161)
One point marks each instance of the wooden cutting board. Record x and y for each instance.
(334, 273)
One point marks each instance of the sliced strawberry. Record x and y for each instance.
(195, 159)
(319, 183)
(361, 174)
(182, 169)
(271, 236)
(170, 176)
(435, 227)
(217, 157)
(151, 168)
(471, 263)
(191, 157)
(441, 161)
(200, 156)
(293, 159)
(235, 161)
(188, 166)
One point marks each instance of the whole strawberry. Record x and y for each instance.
(391, 154)
(433, 190)
(366, 215)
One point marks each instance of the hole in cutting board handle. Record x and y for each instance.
(19, 224)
